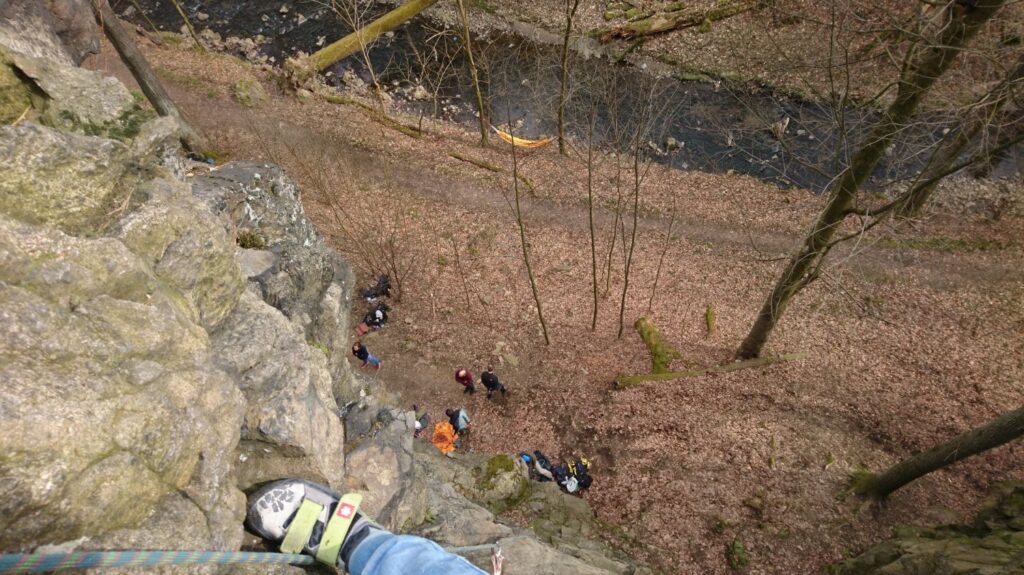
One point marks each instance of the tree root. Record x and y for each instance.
(493, 168)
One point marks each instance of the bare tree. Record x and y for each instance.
(661, 260)
(1000, 430)
(481, 108)
(570, 13)
(927, 59)
(354, 14)
(522, 238)
(590, 213)
(188, 25)
(944, 160)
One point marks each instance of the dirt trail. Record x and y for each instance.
(905, 346)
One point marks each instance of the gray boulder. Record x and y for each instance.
(79, 100)
(310, 283)
(189, 248)
(291, 428)
(64, 31)
(64, 180)
(109, 402)
(992, 545)
(380, 466)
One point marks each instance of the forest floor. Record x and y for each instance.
(912, 336)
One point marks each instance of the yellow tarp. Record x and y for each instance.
(521, 142)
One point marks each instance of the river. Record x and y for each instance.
(692, 124)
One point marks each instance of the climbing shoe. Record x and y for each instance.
(304, 517)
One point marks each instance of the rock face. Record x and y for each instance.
(62, 31)
(144, 386)
(296, 273)
(992, 545)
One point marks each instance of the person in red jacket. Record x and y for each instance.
(465, 378)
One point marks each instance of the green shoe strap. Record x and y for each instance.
(301, 527)
(337, 528)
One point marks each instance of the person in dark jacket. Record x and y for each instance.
(492, 383)
(465, 378)
(359, 350)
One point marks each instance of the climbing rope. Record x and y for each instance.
(52, 562)
(49, 562)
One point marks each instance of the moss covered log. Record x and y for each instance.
(662, 354)
(355, 41)
(626, 381)
(676, 16)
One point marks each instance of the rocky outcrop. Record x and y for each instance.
(147, 381)
(286, 260)
(992, 545)
(62, 31)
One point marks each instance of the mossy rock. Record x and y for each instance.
(249, 93)
(501, 484)
(17, 93)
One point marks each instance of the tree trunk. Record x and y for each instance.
(143, 74)
(467, 42)
(675, 17)
(662, 354)
(632, 241)
(328, 55)
(188, 24)
(661, 260)
(570, 14)
(924, 65)
(1003, 429)
(979, 116)
(522, 238)
(590, 213)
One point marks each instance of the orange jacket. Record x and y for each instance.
(444, 437)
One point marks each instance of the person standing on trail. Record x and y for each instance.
(492, 383)
(465, 378)
(359, 350)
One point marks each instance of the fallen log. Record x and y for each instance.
(354, 42)
(374, 114)
(662, 354)
(675, 17)
(143, 74)
(492, 168)
(627, 381)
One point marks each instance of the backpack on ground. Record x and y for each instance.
(580, 469)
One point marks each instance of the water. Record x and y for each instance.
(718, 129)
